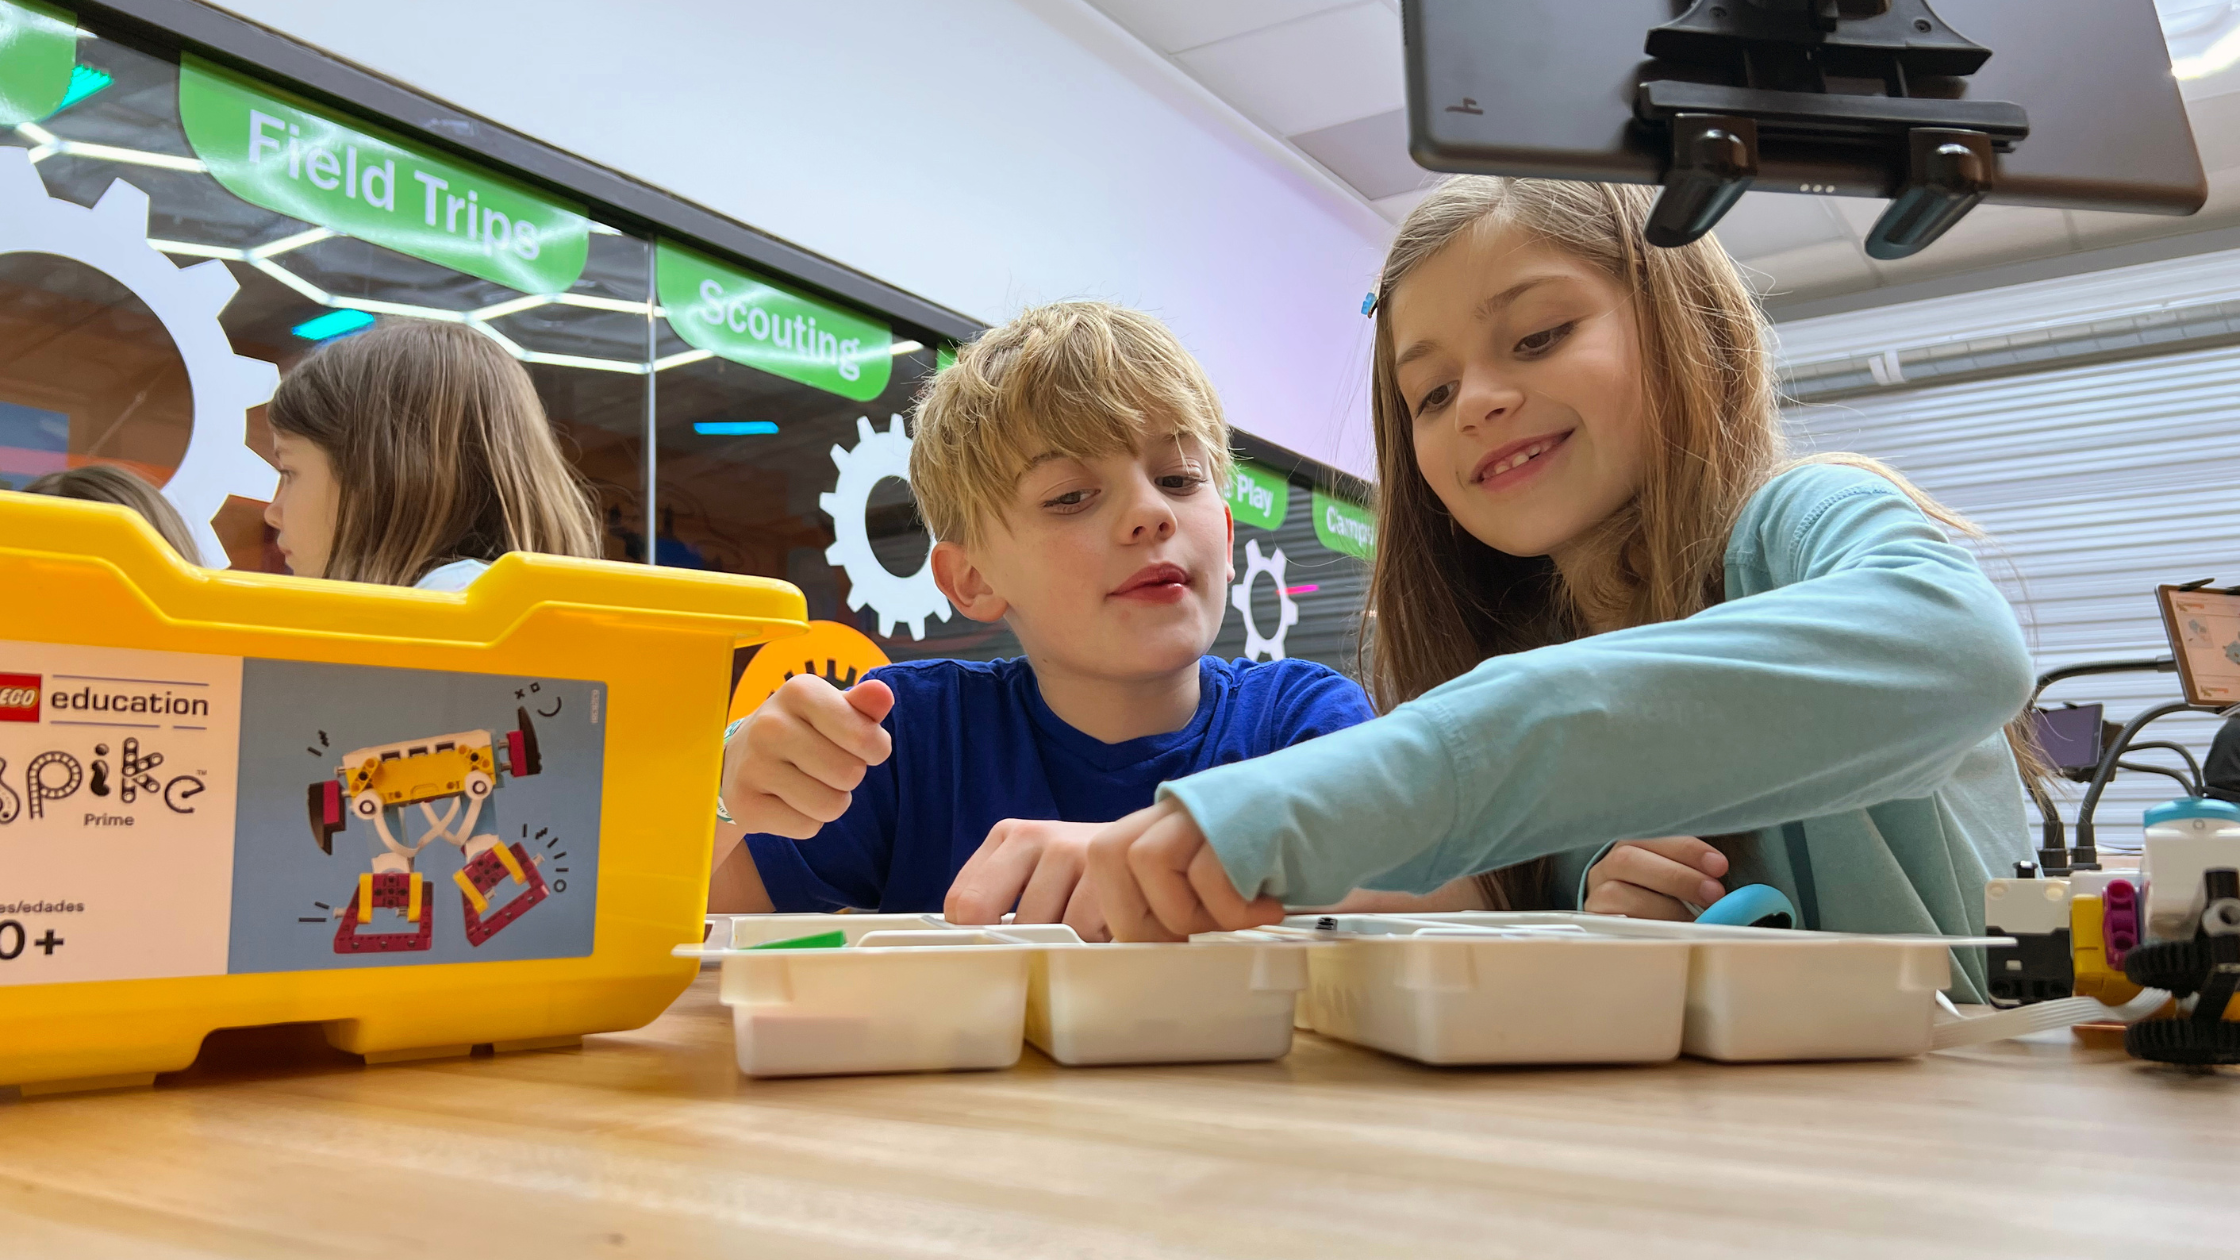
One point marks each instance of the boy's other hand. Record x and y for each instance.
(1037, 864)
(1158, 880)
(1654, 879)
(791, 767)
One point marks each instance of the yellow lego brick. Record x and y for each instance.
(2094, 977)
(475, 898)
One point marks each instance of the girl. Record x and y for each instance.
(1606, 606)
(107, 483)
(414, 454)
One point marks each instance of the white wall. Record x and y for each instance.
(983, 154)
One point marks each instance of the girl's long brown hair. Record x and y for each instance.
(441, 452)
(1440, 601)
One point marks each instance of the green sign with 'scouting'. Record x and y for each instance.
(1344, 527)
(746, 318)
(38, 48)
(287, 155)
(1258, 496)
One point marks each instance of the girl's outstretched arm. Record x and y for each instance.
(1875, 657)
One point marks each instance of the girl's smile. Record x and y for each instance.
(1517, 462)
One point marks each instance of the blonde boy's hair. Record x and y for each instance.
(1076, 379)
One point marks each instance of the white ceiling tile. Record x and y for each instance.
(1369, 153)
(1172, 26)
(1988, 236)
(1765, 223)
(2216, 129)
(1301, 76)
(1813, 270)
(1396, 207)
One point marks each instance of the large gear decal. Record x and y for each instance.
(909, 600)
(112, 238)
(1240, 597)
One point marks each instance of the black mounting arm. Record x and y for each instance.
(1814, 74)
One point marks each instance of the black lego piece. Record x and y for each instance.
(2038, 968)
(2206, 967)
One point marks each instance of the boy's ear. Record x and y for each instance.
(965, 585)
(1229, 520)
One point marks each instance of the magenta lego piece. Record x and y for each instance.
(2119, 920)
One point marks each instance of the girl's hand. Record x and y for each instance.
(1159, 880)
(1656, 879)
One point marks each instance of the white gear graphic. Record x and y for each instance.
(112, 238)
(1240, 597)
(905, 599)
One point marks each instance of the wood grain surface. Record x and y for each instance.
(649, 1144)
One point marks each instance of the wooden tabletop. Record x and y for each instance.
(651, 1144)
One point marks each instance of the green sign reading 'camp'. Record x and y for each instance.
(287, 155)
(1345, 528)
(38, 48)
(749, 319)
(1258, 496)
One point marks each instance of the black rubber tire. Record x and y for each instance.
(2184, 1041)
(2179, 966)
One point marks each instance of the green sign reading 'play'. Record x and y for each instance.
(1258, 496)
(1345, 528)
(38, 48)
(287, 155)
(748, 319)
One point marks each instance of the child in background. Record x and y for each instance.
(106, 483)
(1070, 467)
(414, 454)
(1606, 607)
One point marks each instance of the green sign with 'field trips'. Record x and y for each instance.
(38, 48)
(1344, 527)
(305, 161)
(1258, 496)
(746, 318)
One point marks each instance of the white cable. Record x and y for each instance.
(1951, 1034)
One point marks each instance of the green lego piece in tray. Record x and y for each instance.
(820, 940)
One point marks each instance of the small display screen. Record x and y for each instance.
(2204, 628)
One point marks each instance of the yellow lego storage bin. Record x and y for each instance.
(426, 821)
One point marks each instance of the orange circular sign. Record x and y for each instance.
(839, 654)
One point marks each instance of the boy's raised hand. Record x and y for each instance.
(1158, 880)
(1038, 864)
(1656, 879)
(791, 767)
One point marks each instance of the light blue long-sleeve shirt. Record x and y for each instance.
(1845, 703)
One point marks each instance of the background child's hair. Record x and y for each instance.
(1082, 379)
(106, 483)
(1441, 601)
(440, 449)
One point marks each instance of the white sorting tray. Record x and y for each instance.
(1490, 999)
(911, 993)
(1749, 994)
(1201, 1002)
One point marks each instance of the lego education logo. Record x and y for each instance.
(19, 697)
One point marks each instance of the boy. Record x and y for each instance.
(1069, 466)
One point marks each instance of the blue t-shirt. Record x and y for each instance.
(974, 744)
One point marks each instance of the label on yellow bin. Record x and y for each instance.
(165, 814)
